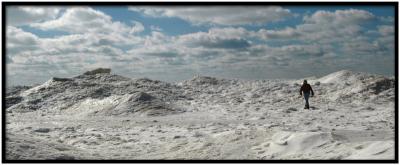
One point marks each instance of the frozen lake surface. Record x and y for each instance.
(106, 116)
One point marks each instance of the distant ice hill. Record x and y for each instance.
(96, 92)
(100, 92)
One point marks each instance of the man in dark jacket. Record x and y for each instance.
(306, 89)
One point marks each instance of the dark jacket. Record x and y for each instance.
(306, 88)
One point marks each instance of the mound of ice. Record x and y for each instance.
(203, 80)
(381, 84)
(141, 97)
(347, 85)
(61, 93)
(112, 94)
(144, 104)
(139, 103)
(98, 71)
(16, 90)
(13, 95)
(340, 77)
(38, 88)
(101, 78)
(12, 100)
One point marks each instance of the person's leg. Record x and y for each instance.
(306, 96)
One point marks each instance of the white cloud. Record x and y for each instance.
(232, 15)
(339, 17)
(20, 37)
(287, 33)
(156, 38)
(386, 30)
(79, 20)
(359, 47)
(65, 55)
(387, 19)
(95, 40)
(71, 55)
(93, 26)
(155, 28)
(227, 38)
(322, 27)
(386, 40)
(20, 41)
(303, 50)
(137, 27)
(329, 27)
(24, 15)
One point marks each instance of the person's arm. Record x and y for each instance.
(301, 90)
(312, 92)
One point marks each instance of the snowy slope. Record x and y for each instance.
(107, 116)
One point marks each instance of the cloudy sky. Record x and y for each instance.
(176, 43)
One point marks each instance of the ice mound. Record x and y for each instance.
(101, 78)
(338, 77)
(98, 91)
(61, 79)
(144, 104)
(381, 84)
(141, 97)
(349, 85)
(36, 89)
(348, 77)
(16, 90)
(13, 95)
(139, 103)
(146, 83)
(12, 100)
(62, 93)
(98, 71)
(203, 80)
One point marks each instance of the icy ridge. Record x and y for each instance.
(61, 93)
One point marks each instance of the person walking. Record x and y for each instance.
(306, 89)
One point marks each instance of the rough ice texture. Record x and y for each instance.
(98, 71)
(104, 116)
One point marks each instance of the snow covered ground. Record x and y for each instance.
(106, 116)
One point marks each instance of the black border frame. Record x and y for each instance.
(119, 3)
